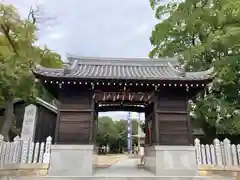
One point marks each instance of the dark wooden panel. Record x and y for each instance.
(75, 116)
(46, 124)
(72, 138)
(176, 139)
(173, 126)
(171, 105)
(172, 117)
(171, 132)
(176, 132)
(74, 127)
(76, 103)
(171, 101)
(76, 100)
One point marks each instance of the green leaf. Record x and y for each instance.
(205, 34)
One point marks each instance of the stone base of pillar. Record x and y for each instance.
(72, 160)
(171, 160)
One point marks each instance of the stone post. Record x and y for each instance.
(172, 160)
(78, 160)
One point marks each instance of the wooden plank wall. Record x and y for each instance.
(173, 117)
(75, 121)
(46, 124)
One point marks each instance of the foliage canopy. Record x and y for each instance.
(114, 133)
(204, 33)
(18, 56)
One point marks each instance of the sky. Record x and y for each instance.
(106, 28)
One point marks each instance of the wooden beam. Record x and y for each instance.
(127, 103)
(120, 108)
(113, 96)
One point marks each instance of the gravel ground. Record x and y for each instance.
(108, 160)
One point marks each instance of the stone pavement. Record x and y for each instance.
(126, 167)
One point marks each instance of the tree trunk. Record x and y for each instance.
(8, 117)
(210, 132)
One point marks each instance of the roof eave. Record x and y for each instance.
(64, 78)
(207, 75)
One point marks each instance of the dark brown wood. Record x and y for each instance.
(172, 117)
(95, 124)
(149, 116)
(156, 129)
(76, 117)
(46, 124)
(57, 126)
(190, 129)
(92, 115)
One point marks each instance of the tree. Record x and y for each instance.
(107, 133)
(18, 56)
(50, 59)
(121, 127)
(16, 79)
(202, 34)
(135, 123)
(114, 133)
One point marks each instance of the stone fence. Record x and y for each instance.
(221, 157)
(22, 157)
(218, 154)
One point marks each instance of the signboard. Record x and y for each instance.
(29, 122)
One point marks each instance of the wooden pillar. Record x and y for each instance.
(75, 118)
(146, 129)
(156, 122)
(150, 124)
(95, 124)
(172, 117)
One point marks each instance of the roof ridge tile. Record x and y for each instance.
(143, 69)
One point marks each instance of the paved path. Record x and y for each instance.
(126, 167)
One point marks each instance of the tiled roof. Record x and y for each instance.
(124, 68)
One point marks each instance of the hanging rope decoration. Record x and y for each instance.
(122, 96)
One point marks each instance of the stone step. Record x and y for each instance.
(126, 178)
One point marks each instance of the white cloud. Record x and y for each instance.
(144, 28)
(57, 35)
